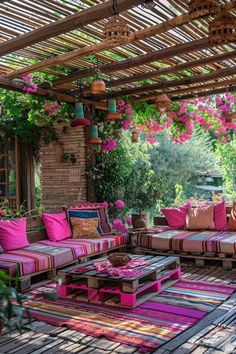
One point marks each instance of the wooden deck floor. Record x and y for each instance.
(216, 333)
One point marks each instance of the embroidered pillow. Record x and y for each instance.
(13, 234)
(85, 227)
(220, 217)
(201, 218)
(82, 225)
(176, 216)
(105, 225)
(232, 218)
(57, 226)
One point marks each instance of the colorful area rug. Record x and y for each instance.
(147, 327)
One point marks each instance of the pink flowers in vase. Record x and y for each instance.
(109, 144)
(29, 85)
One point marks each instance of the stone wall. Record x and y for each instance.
(64, 182)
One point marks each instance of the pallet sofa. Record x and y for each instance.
(43, 258)
(200, 246)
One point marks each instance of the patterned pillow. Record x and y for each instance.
(85, 227)
(82, 216)
(104, 223)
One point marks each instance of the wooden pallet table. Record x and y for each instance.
(84, 282)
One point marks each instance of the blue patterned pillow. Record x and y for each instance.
(84, 214)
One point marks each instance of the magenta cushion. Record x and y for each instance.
(220, 217)
(13, 234)
(176, 216)
(57, 226)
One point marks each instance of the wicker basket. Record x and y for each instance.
(119, 259)
(117, 31)
(223, 29)
(199, 8)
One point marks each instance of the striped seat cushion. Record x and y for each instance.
(190, 241)
(43, 255)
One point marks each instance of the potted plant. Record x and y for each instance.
(11, 304)
(142, 192)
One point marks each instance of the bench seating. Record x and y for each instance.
(44, 256)
(201, 245)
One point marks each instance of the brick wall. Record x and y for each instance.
(63, 182)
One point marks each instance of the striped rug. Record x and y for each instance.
(147, 327)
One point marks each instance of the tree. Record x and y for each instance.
(227, 155)
(182, 164)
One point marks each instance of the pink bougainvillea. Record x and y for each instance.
(52, 108)
(109, 144)
(119, 204)
(210, 113)
(29, 86)
(119, 226)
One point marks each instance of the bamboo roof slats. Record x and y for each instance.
(168, 42)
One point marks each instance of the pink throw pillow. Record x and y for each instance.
(13, 234)
(176, 216)
(200, 218)
(57, 226)
(220, 217)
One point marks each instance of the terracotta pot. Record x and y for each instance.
(140, 221)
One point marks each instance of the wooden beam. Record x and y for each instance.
(175, 68)
(174, 83)
(93, 49)
(139, 60)
(218, 91)
(214, 85)
(16, 86)
(77, 20)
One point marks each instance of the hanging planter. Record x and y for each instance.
(199, 8)
(112, 111)
(135, 136)
(93, 137)
(163, 103)
(98, 86)
(223, 29)
(79, 120)
(117, 31)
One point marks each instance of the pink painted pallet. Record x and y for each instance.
(84, 282)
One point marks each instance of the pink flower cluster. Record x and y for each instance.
(119, 226)
(29, 85)
(52, 108)
(119, 204)
(2, 212)
(124, 107)
(109, 144)
(211, 114)
(126, 125)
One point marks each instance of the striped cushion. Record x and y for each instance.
(47, 254)
(190, 241)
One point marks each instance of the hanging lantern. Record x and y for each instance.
(112, 111)
(98, 86)
(163, 103)
(231, 117)
(117, 31)
(149, 4)
(93, 137)
(223, 28)
(79, 116)
(199, 8)
(135, 136)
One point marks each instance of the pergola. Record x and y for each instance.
(169, 48)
